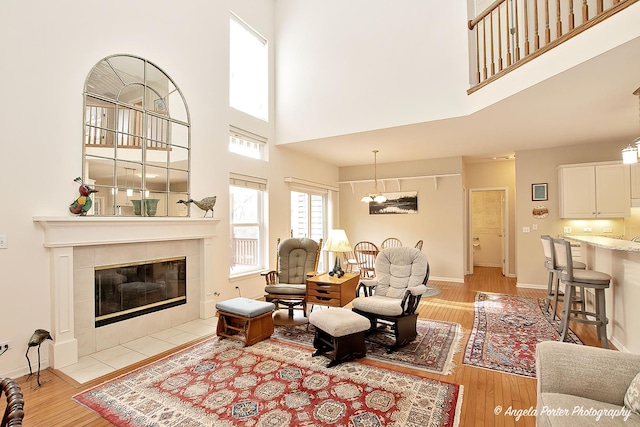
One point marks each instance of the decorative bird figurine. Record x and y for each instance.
(82, 204)
(35, 341)
(205, 204)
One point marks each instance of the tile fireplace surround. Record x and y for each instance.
(78, 244)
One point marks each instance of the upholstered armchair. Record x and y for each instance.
(297, 259)
(592, 379)
(392, 297)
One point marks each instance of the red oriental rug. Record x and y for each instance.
(220, 383)
(432, 351)
(505, 333)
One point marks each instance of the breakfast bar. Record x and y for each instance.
(621, 260)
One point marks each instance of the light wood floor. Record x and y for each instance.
(51, 404)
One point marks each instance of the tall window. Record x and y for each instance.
(248, 70)
(247, 224)
(308, 216)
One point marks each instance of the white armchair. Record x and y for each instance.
(392, 297)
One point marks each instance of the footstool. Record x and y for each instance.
(244, 319)
(341, 332)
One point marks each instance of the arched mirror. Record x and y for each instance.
(137, 139)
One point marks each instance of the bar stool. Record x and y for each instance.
(573, 278)
(553, 285)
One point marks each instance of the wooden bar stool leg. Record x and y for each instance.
(569, 295)
(583, 302)
(549, 292)
(601, 310)
(556, 292)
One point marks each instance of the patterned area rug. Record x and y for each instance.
(220, 383)
(432, 351)
(506, 330)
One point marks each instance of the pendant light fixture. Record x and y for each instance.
(630, 154)
(375, 197)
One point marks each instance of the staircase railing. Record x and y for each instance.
(510, 33)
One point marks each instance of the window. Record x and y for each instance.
(308, 217)
(246, 143)
(136, 148)
(248, 70)
(247, 224)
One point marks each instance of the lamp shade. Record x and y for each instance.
(630, 155)
(374, 197)
(337, 241)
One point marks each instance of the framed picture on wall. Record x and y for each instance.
(539, 192)
(405, 202)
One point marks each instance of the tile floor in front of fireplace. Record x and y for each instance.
(103, 362)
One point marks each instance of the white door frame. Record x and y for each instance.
(505, 227)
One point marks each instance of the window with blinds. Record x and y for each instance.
(247, 220)
(308, 216)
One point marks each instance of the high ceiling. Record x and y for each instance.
(592, 102)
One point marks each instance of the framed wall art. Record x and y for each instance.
(539, 192)
(404, 202)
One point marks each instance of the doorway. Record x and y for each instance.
(488, 230)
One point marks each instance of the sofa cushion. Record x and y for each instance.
(632, 397)
(564, 410)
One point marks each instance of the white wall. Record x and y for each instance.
(439, 221)
(47, 52)
(350, 66)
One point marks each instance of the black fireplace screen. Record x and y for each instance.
(128, 290)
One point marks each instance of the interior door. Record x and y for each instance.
(488, 230)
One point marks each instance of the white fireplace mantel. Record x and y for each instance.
(88, 231)
(62, 234)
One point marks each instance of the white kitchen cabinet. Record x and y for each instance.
(594, 190)
(635, 181)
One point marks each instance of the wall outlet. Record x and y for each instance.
(567, 229)
(587, 229)
(534, 227)
(4, 242)
(607, 230)
(526, 230)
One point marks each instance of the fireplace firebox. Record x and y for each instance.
(124, 291)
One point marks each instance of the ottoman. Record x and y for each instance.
(339, 332)
(245, 320)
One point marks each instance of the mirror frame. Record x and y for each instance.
(136, 148)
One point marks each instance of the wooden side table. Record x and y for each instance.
(332, 291)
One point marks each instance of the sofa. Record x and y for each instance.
(580, 385)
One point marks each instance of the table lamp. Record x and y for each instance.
(337, 243)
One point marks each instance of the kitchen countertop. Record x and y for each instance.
(607, 243)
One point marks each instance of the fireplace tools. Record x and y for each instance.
(35, 341)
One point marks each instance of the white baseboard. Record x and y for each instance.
(531, 286)
(447, 279)
(483, 264)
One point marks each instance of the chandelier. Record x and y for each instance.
(630, 154)
(376, 196)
